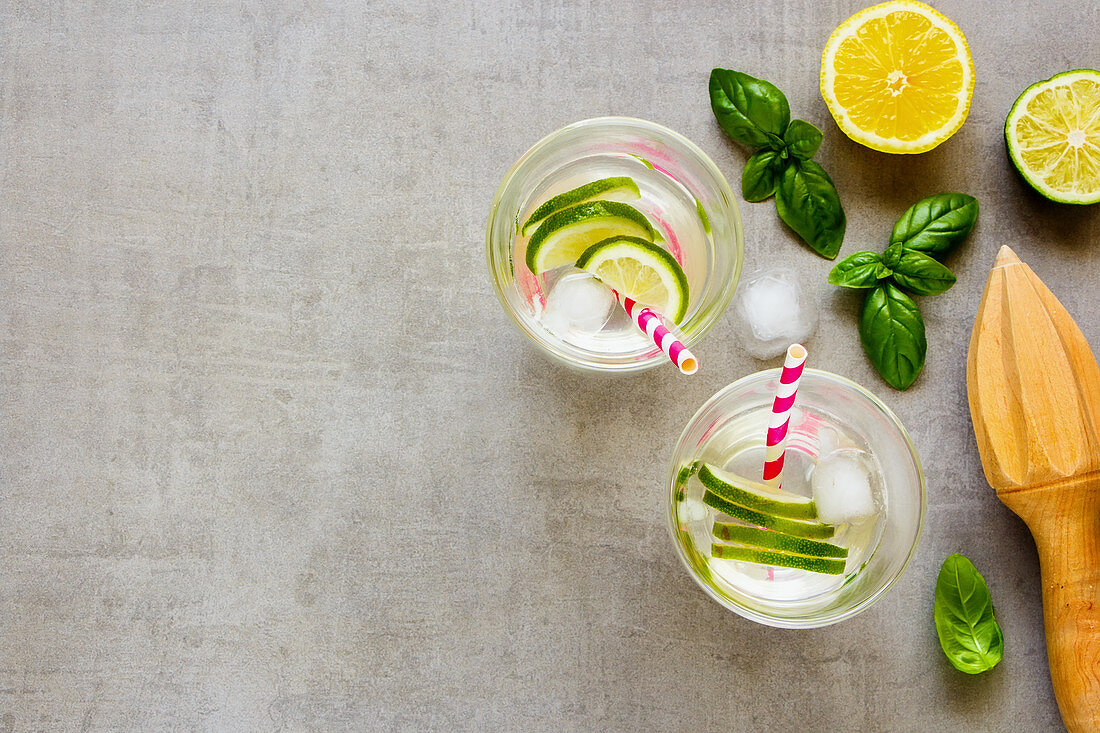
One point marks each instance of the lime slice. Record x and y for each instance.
(765, 538)
(565, 234)
(826, 565)
(755, 495)
(597, 189)
(796, 527)
(640, 270)
(1053, 136)
(686, 472)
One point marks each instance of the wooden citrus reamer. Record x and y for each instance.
(1034, 391)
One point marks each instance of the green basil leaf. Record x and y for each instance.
(761, 175)
(802, 139)
(937, 223)
(892, 256)
(882, 272)
(921, 275)
(892, 332)
(808, 203)
(859, 270)
(751, 111)
(968, 631)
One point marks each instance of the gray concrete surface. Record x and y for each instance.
(273, 458)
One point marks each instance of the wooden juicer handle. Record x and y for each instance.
(1064, 519)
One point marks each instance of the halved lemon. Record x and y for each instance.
(898, 77)
(1053, 136)
(640, 270)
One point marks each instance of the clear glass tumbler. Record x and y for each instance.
(682, 192)
(831, 414)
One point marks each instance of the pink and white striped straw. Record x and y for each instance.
(667, 341)
(776, 444)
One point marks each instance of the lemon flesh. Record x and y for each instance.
(898, 77)
(1053, 136)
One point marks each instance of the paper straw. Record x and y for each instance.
(781, 414)
(667, 341)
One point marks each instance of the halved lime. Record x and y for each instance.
(619, 185)
(1053, 136)
(755, 495)
(641, 270)
(565, 234)
(786, 525)
(744, 535)
(826, 565)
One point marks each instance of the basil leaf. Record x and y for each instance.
(892, 256)
(859, 270)
(921, 275)
(892, 332)
(937, 223)
(761, 175)
(968, 631)
(802, 139)
(751, 111)
(808, 203)
(882, 272)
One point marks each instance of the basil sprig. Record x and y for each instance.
(756, 114)
(968, 630)
(890, 327)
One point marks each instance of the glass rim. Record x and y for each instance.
(811, 621)
(708, 313)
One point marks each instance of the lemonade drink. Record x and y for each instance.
(681, 227)
(827, 562)
(680, 195)
(738, 448)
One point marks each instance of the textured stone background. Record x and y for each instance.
(272, 456)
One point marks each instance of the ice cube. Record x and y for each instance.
(842, 488)
(771, 311)
(577, 301)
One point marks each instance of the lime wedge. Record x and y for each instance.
(1053, 136)
(565, 234)
(765, 538)
(825, 565)
(597, 189)
(641, 270)
(786, 525)
(755, 495)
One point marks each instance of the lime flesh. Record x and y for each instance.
(826, 565)
(1053, 136)
(615, 185)
(754, 495)
(565, 235)
(744, 535)
(796, 527)
(640, 270)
